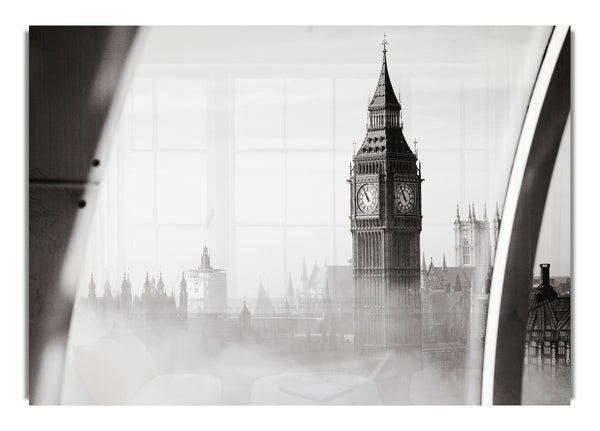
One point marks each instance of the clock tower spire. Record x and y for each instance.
(386, 218)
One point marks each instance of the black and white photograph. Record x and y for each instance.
(300, 215)
(304, 215)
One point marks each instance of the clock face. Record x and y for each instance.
(405, 198)
(368, 198)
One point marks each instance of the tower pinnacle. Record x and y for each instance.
(303, 273)
(290, 288)
(205, 259)
(384, 96)
(92, 288)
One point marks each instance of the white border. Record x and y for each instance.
(586, 154)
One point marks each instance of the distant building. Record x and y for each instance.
(263, 305)
(105, 306)
(337, 281)
(125, 297)
(306, 291)
(548, 339)
(560, 283)
(316, 317)
(91, 290)
(183, 298)
(446, 313)
(446, 305)
(290, 299)
(455, 299)
(208, 290)
(474, 241)
(154, 306)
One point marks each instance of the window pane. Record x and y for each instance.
(140, 255)
(259, 253)
(351, 101)
(442, 186)
(259, 113)
(138, 199)
(436, 237)
(439, 98)
(310, 188)
(309, 113)
(475, 180)
(476, 112)
(342, 188)
(342, 246)
(259, 188)
(280, 194)
(141, 113)
(181, 113)
(182, 190)
(179, 248)
(314, 245)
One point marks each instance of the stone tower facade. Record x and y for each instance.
(474, 241)
(385, 213)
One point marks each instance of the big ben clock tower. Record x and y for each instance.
(385, 187)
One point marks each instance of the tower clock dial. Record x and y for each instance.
(405, 198)
(368, 198)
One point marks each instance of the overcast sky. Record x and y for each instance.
(241, 137)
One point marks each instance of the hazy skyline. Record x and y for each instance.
(241, 138)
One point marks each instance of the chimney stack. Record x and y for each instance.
(545, 291)
(545, 273)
